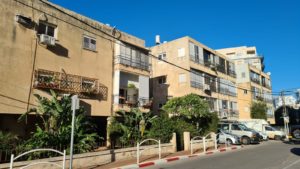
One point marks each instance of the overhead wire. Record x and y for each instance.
(113, 38)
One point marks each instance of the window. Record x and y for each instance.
(196, 79)
(162, 56)
(225, 127)
(182, 78)
(243, 74)
(245, 91)
(269, 128)
(251, 52)
(235, 127)
(46, 29)
(181, 52)
(89, 43)
(162, 80)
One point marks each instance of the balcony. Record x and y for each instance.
(135, 63)
(255, 80)
(133, 101)
(266, 85)
(232, 73)
(196, 85)
(66, 83)
(228, 113)
(226, 91)
(221, 68)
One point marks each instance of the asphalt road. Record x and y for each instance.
(267, 155)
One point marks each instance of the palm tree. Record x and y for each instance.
(55, 130)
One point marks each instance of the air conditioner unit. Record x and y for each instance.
(206, 87)
(47, 40)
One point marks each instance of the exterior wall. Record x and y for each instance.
(177, 63)
(244, 100)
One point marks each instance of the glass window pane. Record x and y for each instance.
(50, 31)
(42, 28)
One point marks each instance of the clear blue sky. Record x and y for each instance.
(273, 26)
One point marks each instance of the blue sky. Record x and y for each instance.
(273, 26)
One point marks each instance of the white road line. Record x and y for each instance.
(291, 164)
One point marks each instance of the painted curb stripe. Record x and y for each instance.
(172, 159)
(161, 161)
(146, 164)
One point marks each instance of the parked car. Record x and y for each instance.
(274, 133)
(225, 137)
(294, 135)
(247, 135)
(263, 127)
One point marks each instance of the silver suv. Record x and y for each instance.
(247, 135)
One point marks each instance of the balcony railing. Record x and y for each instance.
(127, 61)
(255, 80)
(135, 101)
(226, 91)
(228, 113)
(232, 73)
(196, 85)
(221, 68)
(67, 83)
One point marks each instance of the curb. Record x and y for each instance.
(176, 158)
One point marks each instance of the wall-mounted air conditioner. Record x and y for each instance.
(47, 40)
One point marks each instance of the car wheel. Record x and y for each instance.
(245, 140)
(229, 142)
(277, 137)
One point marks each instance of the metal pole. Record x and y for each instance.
(75, 105)
(225, 140)
(64, 162)
(11, 161)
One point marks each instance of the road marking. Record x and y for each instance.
(291, 164)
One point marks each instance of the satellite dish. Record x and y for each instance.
(269, 73)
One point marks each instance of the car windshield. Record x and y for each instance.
(243, 127)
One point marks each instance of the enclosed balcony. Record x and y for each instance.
(128, 55)
(67, 83)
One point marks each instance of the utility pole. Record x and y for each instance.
(285, 115)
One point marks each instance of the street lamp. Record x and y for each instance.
(75, 106)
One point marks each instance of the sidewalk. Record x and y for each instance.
(143, 159)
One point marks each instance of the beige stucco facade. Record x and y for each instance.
(253, 82)
(172, 77)
(26, 62)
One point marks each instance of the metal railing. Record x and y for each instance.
(197, 85)
(128, 61)
(138, 152)
(255, 80)
(68, 83)
(13, 158)
(232, 73)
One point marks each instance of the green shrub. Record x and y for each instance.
(162, 128)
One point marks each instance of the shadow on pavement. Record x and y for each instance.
(296, 151)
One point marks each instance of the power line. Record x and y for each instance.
(111, 36)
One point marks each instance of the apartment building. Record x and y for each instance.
(252, 81)
(44, 46)
(185, 66)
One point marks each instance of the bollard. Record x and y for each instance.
(204, 144)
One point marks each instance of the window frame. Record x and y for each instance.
(47, 25)
(90, 42)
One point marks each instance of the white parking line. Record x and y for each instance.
(291, 164)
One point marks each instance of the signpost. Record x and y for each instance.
(75, 106)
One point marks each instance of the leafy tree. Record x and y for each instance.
(190, 108)
(162, 128)
(55, 129)
(259, 110)
(130, 127)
